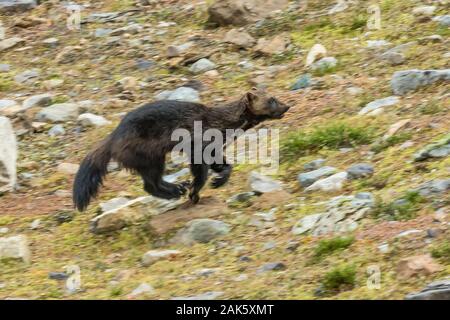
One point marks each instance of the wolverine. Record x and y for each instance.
(143, 138)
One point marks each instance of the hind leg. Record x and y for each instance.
(155, 185)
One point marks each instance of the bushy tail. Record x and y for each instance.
(90, 175)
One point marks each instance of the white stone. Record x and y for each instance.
(15, 247)
(330, 184)
(153, 256)
(92, 120)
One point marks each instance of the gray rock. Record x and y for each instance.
(143, 288)
(380, 103)
(271, 266)
(438, 290)
(239, 13)
(239, 38)
(375, 44)
(308, 178)
(15, 247)
(5, 67)
(202, 65)
(330, 184)
(211, 295)
(175, 51)
(133, 28)
(10, 6)
(113, 204)
(56, 130)
(10, 43)
(434, 187)
(40, 100)
(133, 211)
(27, 76)
(263, 184)
(360, 170)
(434, 38)
(64, 217)
(394, 58)
(59, 276)
(59, 112)
(424, 10)
(51, 42)
(324, 64)
(240, 199)
(92, 120)
(180, 94)
(152, 256)
(314, 165)
(439, 149)
(305, 224)
(35, 224)
(101, 32)
(304, 81)
(6, 104)
(443, 20)
(410, 80)
(202, 231)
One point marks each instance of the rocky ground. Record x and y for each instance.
(358, 209)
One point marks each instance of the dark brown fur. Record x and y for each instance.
(143, 138)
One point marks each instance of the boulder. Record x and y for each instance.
(59, 112)
(378, 104)
(360, 170)
(275, 45)
(242, 12)
(15, 247)
(330, 184)
(410, 80)
(438, 290)
(152, 256)
(92, 120)
(131, 212)
(417, 265)
(201, 231)
(308, 178)
(10, 42)
(202, 66)
(239, 38)
(16, 6)
(262, 184)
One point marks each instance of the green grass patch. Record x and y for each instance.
(405, 208)
(329, 246)
(442, 252)
(340, 278)
(333, 136)
(391, 141)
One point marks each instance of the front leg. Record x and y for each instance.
(200, 173)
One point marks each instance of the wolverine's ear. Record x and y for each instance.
(253, 94)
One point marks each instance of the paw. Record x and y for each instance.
(183, 187)
(218, 181)
(195, 198)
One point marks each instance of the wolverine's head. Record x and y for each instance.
(262, 104)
